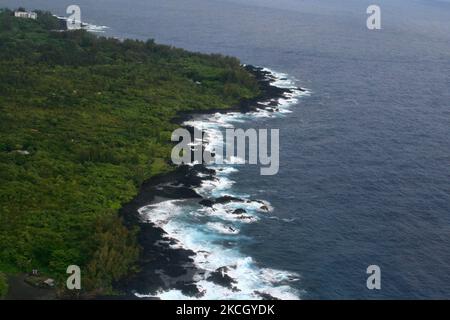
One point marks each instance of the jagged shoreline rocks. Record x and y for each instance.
(163, 267)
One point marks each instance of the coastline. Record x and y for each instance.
(113, 149)
(163, 265)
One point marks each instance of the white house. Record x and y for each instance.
(25, 14)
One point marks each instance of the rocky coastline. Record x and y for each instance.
(161, 266)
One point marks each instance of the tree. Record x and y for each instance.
(6, 21)
(3, 285)
(115, 255)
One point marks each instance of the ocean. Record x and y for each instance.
(364, 155)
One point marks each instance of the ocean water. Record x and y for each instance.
(364, 160)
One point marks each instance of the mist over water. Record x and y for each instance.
(364, 161)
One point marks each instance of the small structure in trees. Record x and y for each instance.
(25, 14)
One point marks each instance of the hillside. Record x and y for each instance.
(84, 120)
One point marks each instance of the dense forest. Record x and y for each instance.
(84, 120)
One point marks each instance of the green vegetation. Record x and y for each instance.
(84, 120)
(3, 285)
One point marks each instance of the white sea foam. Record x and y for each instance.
(225, 170)
(249, 278)
(204, 230)
(223, 228)
(87, 26)
(226, 213)
(215, 188)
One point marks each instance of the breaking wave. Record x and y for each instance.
(213, 232)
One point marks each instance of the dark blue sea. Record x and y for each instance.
(364, 162)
